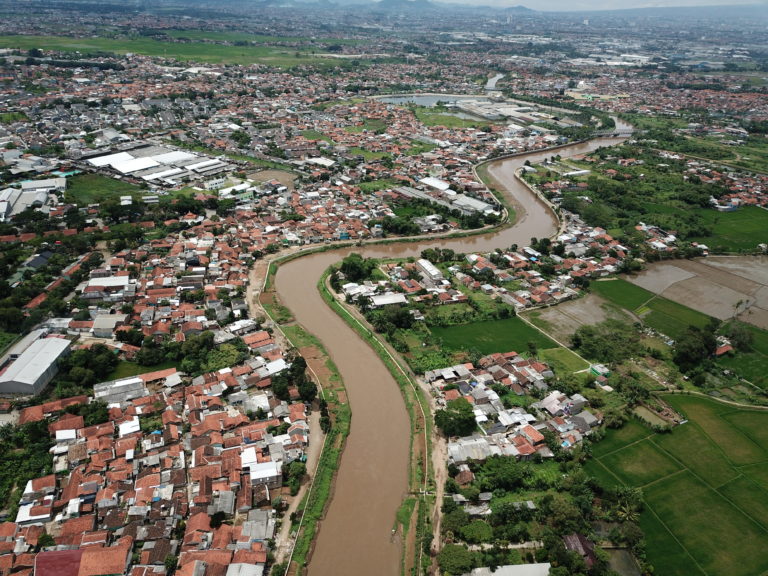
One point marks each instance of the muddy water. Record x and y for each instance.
(356, 535)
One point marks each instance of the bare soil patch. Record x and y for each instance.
(316, 362)
(706, 296)
(563, 320)
(751, 267)
(661, 276)
(713, 286)
(287, 179)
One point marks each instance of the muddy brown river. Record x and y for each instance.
(355, 537)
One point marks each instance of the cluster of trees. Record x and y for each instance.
(294, 376)
(694, 349)
(24, 452)
(355, 269)
(293, 475)
(12, 316)
(84, 368)
(388, 319)
(439, 255)
(568, 502)
(615, 204)
(196, 355)
(456, 419)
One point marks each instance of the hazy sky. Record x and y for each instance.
(576, 5)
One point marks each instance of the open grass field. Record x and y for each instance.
(431, 117)
(11, 117)
(375, 185)
(705, 486)
(283, 57)
(127, 369)
(640, 464)
(622, 293)
(748, 365)
(315, 135)
(92, 188)
(563, 360)
(492, 336)
(367, 154)
(743, 229)
(369, 125)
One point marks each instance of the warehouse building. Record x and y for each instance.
(35, 367)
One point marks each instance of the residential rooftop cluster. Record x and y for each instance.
(510, 431)
(182, 468)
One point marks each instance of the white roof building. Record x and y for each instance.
(35, 367)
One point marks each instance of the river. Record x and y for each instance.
(356, 535)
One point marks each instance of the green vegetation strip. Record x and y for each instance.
(284, 57)
(312, 507)
(7, 340)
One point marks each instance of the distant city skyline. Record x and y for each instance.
(595, 5)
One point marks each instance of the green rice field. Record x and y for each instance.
(705, 487)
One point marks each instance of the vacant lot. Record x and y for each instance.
(704, 487)
(93, 188)
(287, 179)
(563, 320)
(493, 336)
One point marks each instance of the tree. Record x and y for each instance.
(356, 268)
(294, 474)
(457, 419)
(217, 519)
(170, 563)
(502, 473)
(693, 348)
(455, 560)
(476, 532)
(740, 336)
(45, 541)
(307, 390)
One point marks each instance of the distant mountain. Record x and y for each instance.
(727, 12)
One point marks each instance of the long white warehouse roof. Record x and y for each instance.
(35, 360)
(135, 165)
(110, 160)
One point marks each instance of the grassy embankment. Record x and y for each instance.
(705, 482)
